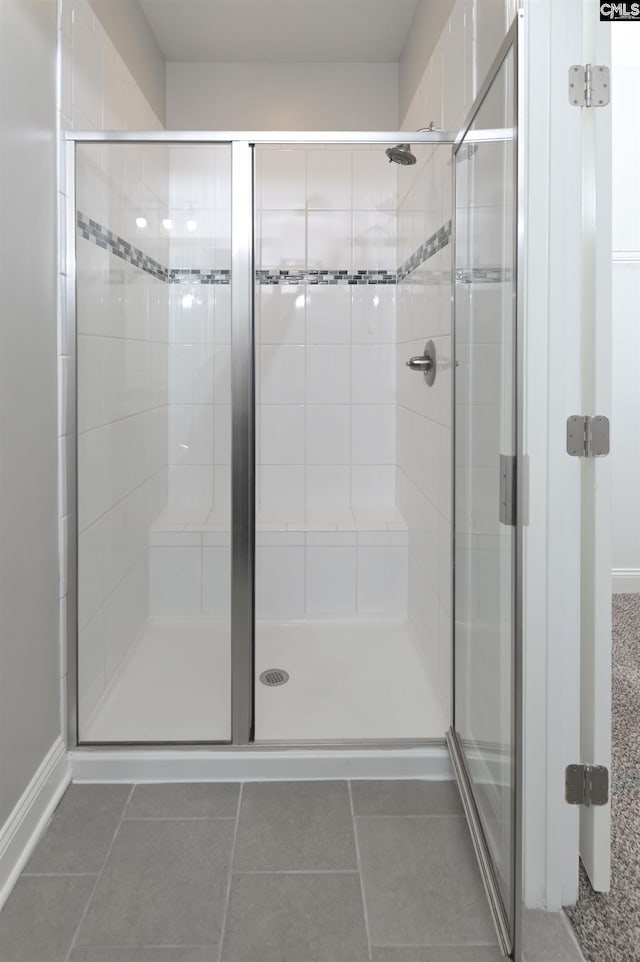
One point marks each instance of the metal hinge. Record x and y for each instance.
(586, 785)
(587, 437)
(589, 86)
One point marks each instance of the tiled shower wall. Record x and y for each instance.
(200, 329)
(450, 82)
(325, 355)
(122, 328)
(98, 92)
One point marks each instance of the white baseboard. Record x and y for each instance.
(228, 765)
(625, 581)
(21, 831)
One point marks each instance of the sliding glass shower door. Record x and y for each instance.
(486, 535)
(153, 273)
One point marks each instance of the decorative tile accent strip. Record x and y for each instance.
(92, 231)
(315, 277)
(484, 275)
(431, 246)
(196, 276)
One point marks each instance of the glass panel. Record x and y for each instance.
(485, 425)
(154, 452)
(353, 448)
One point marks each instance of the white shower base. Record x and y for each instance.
(349, 680)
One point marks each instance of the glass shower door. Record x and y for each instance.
(153, 342)
(483, 739)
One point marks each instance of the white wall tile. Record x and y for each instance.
(216, 575)
(373, 372)
(328, 179)
(191, 434)
(373, 484)
(92, 475)
(375, 181)
(373, 314)
(382, 580)
(282, 178)
(375, 238)
(329, 315)
(329, 240)
(328, 376)
(175, 581)
(281, 374)
(281, 437)
(90, 667)
(373, 432)
(280, 582)
(282, 236)
(281, 314)
(281, 485)
(90, 572)
(331, 580)
(328, 434)
(328, 485)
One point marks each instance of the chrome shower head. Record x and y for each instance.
(401, 154)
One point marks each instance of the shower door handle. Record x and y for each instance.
(426, 363)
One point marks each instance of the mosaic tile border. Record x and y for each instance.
(431, 246)
(484, 275)
(197, 276)
(91, 230)
(321, 277)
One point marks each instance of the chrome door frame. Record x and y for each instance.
(510, 936)
(243, 144)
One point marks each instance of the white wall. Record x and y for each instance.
(29, 654)
(285, 96)
(450, 81)
(130, 33)
(428, 23)
(625, 453)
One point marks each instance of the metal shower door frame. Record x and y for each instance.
(243, 144)
(509, 935)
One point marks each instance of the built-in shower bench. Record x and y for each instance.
(328, 561)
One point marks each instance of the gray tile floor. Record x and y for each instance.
(259, 872)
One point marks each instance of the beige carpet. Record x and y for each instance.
(608, 926)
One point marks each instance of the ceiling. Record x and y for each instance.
(276, 31)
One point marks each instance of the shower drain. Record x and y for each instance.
(274, 677)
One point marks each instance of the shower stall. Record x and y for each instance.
(312, 425)
(297, 418)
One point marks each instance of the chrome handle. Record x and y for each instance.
(420, 363)
(426, 363)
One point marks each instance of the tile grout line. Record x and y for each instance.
(180, 818)
(57, 874)
(434, 815)
(298, 871)
(99, 875)
(223, 928)
(359, 864)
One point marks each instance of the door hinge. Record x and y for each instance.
(589, 86)
(587, 437)
(508, 489)
(586, 785)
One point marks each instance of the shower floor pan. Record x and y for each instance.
(352, 680)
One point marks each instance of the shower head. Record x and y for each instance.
(400, 154)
